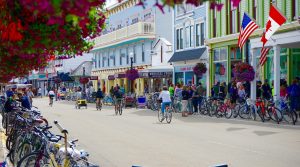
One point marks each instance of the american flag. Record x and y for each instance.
(247, 28)
(263, 55)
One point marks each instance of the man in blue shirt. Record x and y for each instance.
(25, 102)
(9, 93)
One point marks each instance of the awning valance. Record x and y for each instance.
(188, 55)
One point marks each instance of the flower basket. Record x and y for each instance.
(132, 74)
(199, 69)
(243, 72)
(84, 80)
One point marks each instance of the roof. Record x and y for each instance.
(163, 40)
(188, 55)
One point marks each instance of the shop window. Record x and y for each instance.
(235, 54)
(220, 65)
(179, 78)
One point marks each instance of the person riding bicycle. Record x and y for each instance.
(118, 96)
(99, 96)
(166, 99)
(51, 96)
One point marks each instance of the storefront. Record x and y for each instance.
(184, 75)
(154, 81)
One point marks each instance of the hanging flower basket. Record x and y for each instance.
(199, 69)
(243, 72)
(57, 80)
(84, 80)
(132, 74)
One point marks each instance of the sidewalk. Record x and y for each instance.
(3, 150)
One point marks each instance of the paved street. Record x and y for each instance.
(137, 138)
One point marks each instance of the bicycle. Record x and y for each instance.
(98, 104)
(224, 109)
(167, 114)
(177, 106)
(118, 106)
(288, 115)
(261, 110)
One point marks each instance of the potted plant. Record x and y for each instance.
(132, 74)
(84, 80)
(199, 69)
(243, 72)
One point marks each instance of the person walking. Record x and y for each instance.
(185, 97)
(30, 95)
(195, 97)
(294, 95)
(201, 93)
(40, 92)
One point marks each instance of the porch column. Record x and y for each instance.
(276, 49)
(253, 83)
(207, 79)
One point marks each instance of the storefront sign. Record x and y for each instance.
(183, 69)
(120, 75)
(111, 77)
(93, 77)
(156, 74)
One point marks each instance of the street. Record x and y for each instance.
(137, 138)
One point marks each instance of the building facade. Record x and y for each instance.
(189, 32)
(283, 58)
(130, 34)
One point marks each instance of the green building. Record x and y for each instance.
(283, 60)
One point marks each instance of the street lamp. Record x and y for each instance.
(131, 67)
(83, 74)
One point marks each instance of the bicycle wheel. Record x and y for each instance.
(168, 115)
(120, 110)
(23, 150)
(260, 114)
(275, 114)
(116, 109)
(252, 113)
(228, 113)
(31, 161)
(288, 116)
(244, 112)
(160, 116)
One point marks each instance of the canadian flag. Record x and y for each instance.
(276, 19)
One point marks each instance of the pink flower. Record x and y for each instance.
(219, 6)
(235, 3)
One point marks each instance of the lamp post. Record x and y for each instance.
(83, 74)
(131, 67)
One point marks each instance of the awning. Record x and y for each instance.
(188, 55)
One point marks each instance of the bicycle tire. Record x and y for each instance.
(228, 113)
(252, 113)
(23, 150)
(116, 110)
(45, 160)
(120, 110)
(274, 115)
(260, 114)
(169, 115)
(244, 112)
(160, 116)
(288, 116)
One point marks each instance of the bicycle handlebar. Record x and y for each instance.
(62, 130)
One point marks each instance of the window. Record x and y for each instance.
(177, 39)
(233, 20)
(121, 57)
(197, 34)
(181, 38)
(114, 58)
(134, 54)
(108, 60)
(135, 20)
(103, 58)
(188, 37)
(191, 35)
(127, 56)
(95, 60)
(214, 23)
(143, 52)
(254, 9)
(202, 34)
(295, 9)
(99, 58)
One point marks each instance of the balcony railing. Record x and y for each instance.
(141, 29)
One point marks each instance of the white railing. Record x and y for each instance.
(139, 29)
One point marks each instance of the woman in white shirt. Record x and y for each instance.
(166, 99)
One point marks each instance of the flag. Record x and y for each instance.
(263, 55)
(276, 19)
(247, 28)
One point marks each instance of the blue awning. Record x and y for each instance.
(187, 55)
